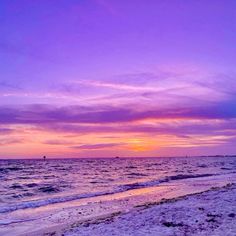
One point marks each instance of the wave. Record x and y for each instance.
(45, 202)
(153, 183)
(118, 189)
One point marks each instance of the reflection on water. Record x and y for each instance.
(33, 183)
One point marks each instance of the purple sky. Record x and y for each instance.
(102, 78)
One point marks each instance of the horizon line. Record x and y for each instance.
(117, 157)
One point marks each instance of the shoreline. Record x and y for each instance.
(171, 217)
(57, 219)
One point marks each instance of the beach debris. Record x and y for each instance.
(172, 224)
(232, 215)
(48, 189)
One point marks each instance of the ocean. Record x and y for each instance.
(27, 184)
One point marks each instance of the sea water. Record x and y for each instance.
(34, 183)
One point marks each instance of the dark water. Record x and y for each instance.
(34, 183)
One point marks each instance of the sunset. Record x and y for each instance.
(89, 88)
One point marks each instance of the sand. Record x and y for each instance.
(209, 213)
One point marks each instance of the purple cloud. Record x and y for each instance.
(5, 131)
(58, 142)
(98, 146)
(43, 114)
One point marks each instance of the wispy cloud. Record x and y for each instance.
(43, 114)
(98, 146)
(58, 142)
(10, 141)
(5, 131)
(6, 86)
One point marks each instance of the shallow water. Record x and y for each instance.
(34, 183)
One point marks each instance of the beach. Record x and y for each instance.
(186, 196)
(117, 118)
(209, 213)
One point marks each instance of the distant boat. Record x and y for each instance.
(44, 158)
(117, 157)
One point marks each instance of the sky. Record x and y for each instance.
(105, 78)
